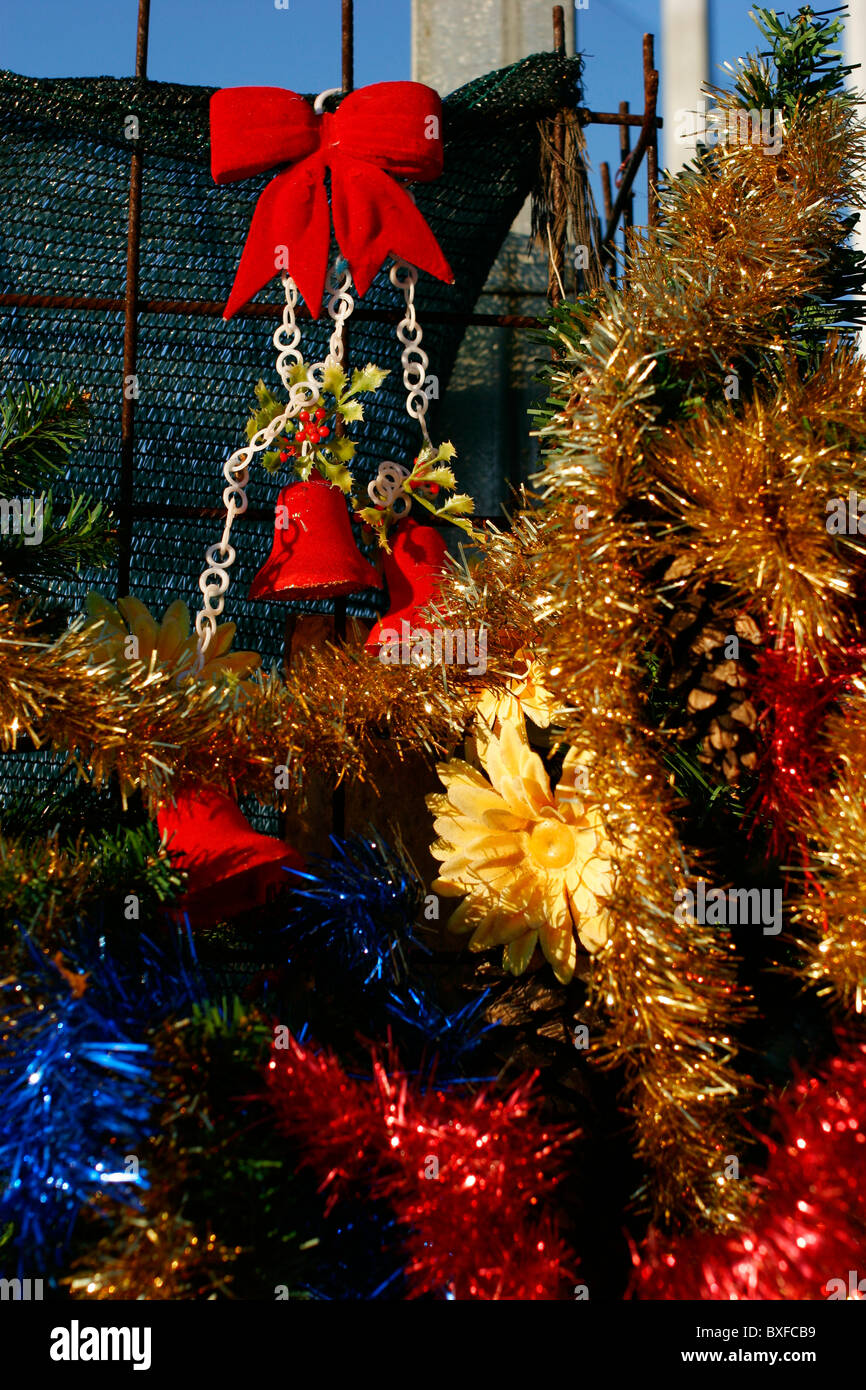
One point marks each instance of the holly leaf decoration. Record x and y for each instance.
(378, 519)
(454, 509)
(268, 409)
(367, 378)
(343, 448)
(334, 379)
(460, 504)
(337, 474)
(444, 476)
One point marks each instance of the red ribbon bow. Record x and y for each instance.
(391, 128)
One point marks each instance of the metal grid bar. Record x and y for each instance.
(130, 325)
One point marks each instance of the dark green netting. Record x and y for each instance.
(64, 185)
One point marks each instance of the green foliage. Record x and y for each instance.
(430, 473)
(802, 65)
(40, 426)
(84, 537)
(61, 878)
(268, 409)
(219, 1147)
(705, 798)
(339, 400)
(64, 805)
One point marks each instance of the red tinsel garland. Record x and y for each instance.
(795, 695)
(807, 1239)
(466, 1176)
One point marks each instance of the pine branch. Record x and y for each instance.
(36, 547)
(48, 882)
(806, 65)
(40, 426)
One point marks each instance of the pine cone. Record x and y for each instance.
(538, 1022)
(710, 684)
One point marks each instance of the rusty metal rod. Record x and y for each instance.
(646, 135)
(348, 53)
(129, 387)
(612, 118)
(606, 195)
(206, 308)
(651, 91)
(141, 39)
(556, 247)
(338, 796)
(624, 152)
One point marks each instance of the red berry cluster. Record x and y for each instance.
(311, 430)
(311, 427)
(432, 488)
(412, 483)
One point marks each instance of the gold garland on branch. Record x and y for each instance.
(136, 717)
(831, 913)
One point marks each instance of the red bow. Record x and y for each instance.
(391, 128)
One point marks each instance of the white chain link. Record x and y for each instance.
(414, 359)
(387, 488)
(340, 306)
(288, 335)
(219, 558)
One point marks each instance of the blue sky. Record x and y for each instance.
(231, 42)
(235, 42)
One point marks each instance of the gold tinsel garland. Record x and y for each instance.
(157, 1255)
(668, 991)
(331, 712)
(743, 499)
(741, 247)
(637, 512)
(831, 911)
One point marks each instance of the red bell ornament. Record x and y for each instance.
(314, 554)
(231, 867)
(413, 571)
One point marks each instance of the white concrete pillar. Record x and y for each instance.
(855, 52)
(685, 66)
(454, 41)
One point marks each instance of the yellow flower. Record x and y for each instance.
(533, 865)
(129, 631)
(526, 694)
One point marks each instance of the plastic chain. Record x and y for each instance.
(414, 359)
(219, 558)
(387, 490)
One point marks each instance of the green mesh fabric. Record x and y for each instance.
(64, 184)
